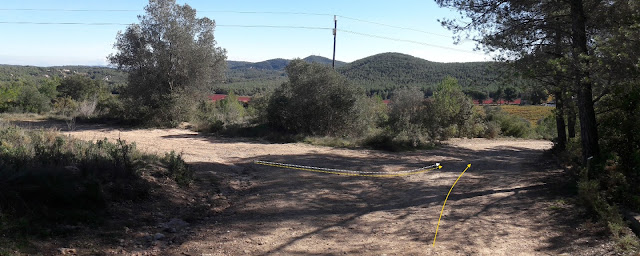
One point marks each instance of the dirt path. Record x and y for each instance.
(510, 202)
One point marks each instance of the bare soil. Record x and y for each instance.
(514, 200)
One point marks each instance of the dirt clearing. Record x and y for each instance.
(512, 201)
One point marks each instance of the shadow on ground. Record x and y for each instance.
(503, 203)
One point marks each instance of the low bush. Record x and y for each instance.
(593, 197)
(546, 128)
(178, 169)
(402, 141)
(221, 115)
(45, 176)
(510, 125)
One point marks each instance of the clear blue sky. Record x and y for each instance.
(47, 45)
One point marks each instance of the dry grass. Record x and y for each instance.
(529, 113)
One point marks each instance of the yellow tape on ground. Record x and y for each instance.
(347, 173)
(445, 202)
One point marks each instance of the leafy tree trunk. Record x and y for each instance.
(588, 125)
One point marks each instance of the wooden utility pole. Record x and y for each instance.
(335, 30)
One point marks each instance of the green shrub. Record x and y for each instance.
(65, 106)
(32, 101)
(510, 125)
(178, 169)
(8, 95)
(450, 113)
(546, 127)
(407, 112)
(45, 176)
(22, 96)
(492, 131)
(80, 87)
(221, 115)
(316, 100)
(402, 141)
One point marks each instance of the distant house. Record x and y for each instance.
(217, 97)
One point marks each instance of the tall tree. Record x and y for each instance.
(518, 28)
(171, 57)
(617, 70)
(510, 94)
(583, 82)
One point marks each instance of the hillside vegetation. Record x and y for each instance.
(14, 73)
(381, 73)
(378, 74)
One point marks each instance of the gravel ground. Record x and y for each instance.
(512, 201)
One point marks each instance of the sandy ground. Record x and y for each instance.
(512, 201)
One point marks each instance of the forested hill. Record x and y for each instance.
(277, 64)
(323, 60)
(378, 74)
(30, 73)
(267, 73)
(401, 69)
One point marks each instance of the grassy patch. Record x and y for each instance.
(529, 113)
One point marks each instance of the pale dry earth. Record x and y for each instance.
(512, 201)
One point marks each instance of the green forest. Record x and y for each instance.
(379, 74)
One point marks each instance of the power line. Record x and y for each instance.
(406, 41)
(126, 24)
(246, 26)
(63, 23)
(65, 10)
(238, 12)
(277, 13)
(131, 10)
(392, 26)
(273, 26)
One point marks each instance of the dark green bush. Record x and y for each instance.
(316, 100)
(178, 169)
(45, 176)
(406, 140)
(32, 101)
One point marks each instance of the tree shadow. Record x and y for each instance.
(506, 193)
(502, 200)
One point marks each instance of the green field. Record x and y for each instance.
(530, 113)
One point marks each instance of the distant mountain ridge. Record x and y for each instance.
(279, 63)
(269, 70)
(403, 69)
(377, 74)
